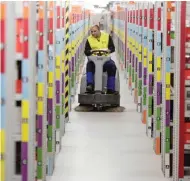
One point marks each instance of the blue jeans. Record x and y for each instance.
(108, 67)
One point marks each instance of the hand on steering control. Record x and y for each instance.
(109, 51)
(91, 52)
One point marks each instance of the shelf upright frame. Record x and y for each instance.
(157, 79)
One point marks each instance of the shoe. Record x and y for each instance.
(109, 91)
(89, 88)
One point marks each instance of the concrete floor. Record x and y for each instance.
(108, 147)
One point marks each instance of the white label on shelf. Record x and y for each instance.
(18, 97)
(167, 165)
(187, 146)
(58, 3)
(187, 82)
(139, 99)
(19, 56)
(1, 46)
(57, 135)
(187, 44)
(187, 50)
(187, 23)
(19, 9)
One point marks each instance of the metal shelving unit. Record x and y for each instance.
(129, 48)
(118, 30)
(150, 70)
(41, 61)
(168, 82)
(136, 33)
(58, 76)
(139, 54)
(165, 57)
(33, 75)
(181, 134)
(145, 60)
(157, 77)
(51, 116)
(8, 74)
(133, 60)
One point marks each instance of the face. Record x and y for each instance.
(95, 32)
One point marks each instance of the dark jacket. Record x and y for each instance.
(111, 47)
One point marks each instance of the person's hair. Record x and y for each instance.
(97, 26)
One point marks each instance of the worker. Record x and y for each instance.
(100, 40)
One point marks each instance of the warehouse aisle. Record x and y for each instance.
(107, 147)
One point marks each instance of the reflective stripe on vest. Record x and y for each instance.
(101, 44)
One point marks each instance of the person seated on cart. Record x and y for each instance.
(97, 41)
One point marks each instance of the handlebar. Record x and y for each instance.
(99, 52)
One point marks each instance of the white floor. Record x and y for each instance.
(108, 147)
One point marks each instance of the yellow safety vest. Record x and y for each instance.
(102, 43)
